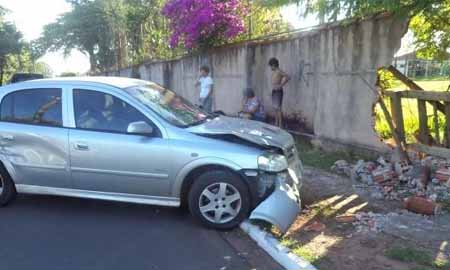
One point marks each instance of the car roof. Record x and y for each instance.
(119, 82)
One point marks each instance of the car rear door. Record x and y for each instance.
(33, 138)
(104, 157)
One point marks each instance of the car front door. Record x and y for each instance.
(104, 157)
(33, 138)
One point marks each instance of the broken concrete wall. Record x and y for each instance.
(325, 65)
(126, 72)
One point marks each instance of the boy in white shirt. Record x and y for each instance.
(206, 89)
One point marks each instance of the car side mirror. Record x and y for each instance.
(140, 127)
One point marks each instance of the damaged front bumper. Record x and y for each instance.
(283, 205)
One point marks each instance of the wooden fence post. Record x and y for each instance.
(397, 115)
(447, 124)
(423, 125)
(436, 123)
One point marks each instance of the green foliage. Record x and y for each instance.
(86, 29)
(10, 44)
(323, 159)
(409, 254)
(441, 264)
(413, 255)
(264, 21)
(41, 68)
(68, 74)
(298, 249)
(113, 33)
(15, 54)
(10, 39)
(386, 79)
(23, 62)
(431, 28)
(307, 253)
(410, 114)
(147, 31)
(332, 10)
(118, 33)
(430, 18)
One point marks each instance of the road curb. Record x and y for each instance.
(272, 246)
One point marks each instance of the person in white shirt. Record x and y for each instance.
(206, 89)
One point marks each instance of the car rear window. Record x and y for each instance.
(33, 106)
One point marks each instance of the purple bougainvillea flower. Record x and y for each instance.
(194, 22)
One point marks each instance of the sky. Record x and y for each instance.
(31, 15)
(30, 23)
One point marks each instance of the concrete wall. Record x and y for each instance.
(325, 65)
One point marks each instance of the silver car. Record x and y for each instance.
(134, 141)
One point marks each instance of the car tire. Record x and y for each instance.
(219, 199)
(7, 187)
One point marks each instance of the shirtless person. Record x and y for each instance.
(279, 80)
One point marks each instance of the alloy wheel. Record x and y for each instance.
(220, 202)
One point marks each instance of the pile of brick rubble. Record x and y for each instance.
(423, 186)
(427, 178)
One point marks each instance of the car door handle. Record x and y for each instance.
(81, 146)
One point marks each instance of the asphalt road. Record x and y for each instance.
(44, 232)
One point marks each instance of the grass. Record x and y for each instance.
(420, 257)
(410, 113)
(435, 78)
(429, 85)
(301, 251)
(323, 211)
(318, 158)
(409, 254)
(441, 264)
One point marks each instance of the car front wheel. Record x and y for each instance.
(219, 199)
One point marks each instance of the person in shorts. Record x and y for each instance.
(206, 89)
(279, 80)
(252, 107)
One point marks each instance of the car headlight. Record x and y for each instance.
(270, 162)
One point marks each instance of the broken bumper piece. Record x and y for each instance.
(283, 205)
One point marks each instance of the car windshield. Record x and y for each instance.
(172, 107)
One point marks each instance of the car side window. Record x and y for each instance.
(33, 106)
(100, 111)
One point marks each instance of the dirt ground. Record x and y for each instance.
(403, 240)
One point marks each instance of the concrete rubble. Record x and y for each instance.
(375, 222)
(405, 225)
(427, 178)
(422, 187)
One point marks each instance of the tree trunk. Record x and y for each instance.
(92, 61)
(118, 53)
(2, 63)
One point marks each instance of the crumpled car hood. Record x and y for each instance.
(284, 204)
(253, 131)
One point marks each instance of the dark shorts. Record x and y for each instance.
(277, 99)
(258, 117)
(206, 104)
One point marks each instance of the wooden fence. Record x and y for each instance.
(428, 141)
